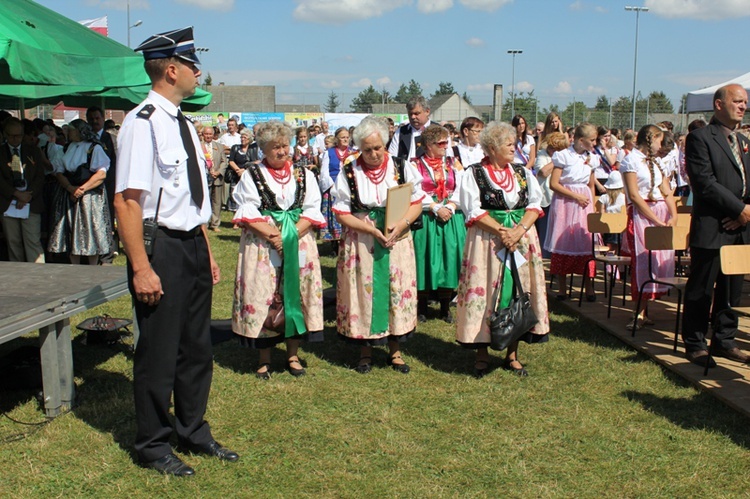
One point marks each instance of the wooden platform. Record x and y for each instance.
(728, 382)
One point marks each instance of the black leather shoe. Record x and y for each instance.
(481, 368)
(295, 372)
(734, 354)
(364, 366)
(402, 368)
(520, 371)
(213, 448)
(698, 357)
(170, 465)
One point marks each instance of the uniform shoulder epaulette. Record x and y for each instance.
(146, 111)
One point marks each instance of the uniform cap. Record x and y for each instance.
(176, 43)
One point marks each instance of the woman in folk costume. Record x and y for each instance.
(501, 202)
(330, 167)
(650, 204)
(376, 295)
(278, 206)
(440, 243)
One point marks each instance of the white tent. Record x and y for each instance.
(702, 100)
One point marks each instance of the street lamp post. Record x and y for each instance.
(513, 82)
(637, 11)
(202, 50)
(137, 23)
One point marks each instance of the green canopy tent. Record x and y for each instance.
(46, 57)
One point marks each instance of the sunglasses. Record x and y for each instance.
(442, 143)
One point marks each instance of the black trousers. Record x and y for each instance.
(705, 274)
(173, 355)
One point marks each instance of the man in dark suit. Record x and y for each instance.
(717, 159)
(22, 181)
(95, 118)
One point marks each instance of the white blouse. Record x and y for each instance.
(469, 195)
(248, 199)
(76, 155)
(635, 162)
(576, 168)
(373, 195)
(470, 155)
(612, 206)
(529, 142)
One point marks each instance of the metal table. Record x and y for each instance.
(44, 297)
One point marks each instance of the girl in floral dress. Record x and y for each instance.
(501, 202)
(376, 294)
(278, 206)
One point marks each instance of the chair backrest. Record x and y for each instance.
(683, 219)
(607, 223)
(680, 201)
(684, 209)
(735, 259)
(667, 238)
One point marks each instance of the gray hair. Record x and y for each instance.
(496, 134)
(371, 124)
(247, 132)
(417, 101)
(272, 130)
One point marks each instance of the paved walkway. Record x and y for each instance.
(728, 382)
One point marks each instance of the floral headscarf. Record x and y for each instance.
(87, 134)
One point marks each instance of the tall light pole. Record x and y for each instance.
(137, 23)
(202, 50)
(513, 83)
(637, 11)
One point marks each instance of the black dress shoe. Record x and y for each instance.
(212, 448)
(295, 372)
(170, 465)
(698, 357)
(481, 368)
(364, 366)
(520, 371)
(402, 368)
(734, 354)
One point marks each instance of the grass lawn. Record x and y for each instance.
(594, 418)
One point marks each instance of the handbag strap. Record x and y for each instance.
(517, 287)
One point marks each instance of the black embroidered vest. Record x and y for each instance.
(494, 199)
(348, 169)
(267, 196)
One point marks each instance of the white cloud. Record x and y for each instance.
(475, 42)
(480, 87)
(343, 11)
(601, 10)
(524, 86)
(699, 9)
(592, 90)
(432, 6)
(362, 83)
(119, 4)
(381, 82)
(217, 5)
(485, 5)
(562, 88)
(330, 84)
(577, 5)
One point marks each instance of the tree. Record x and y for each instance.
(526, 104)
(406, 92)
(444, 88)
(208, 81)
(466, 98)
(364, 100)
(575, 112)
(332, 103)
(602, 103)
(659, 103)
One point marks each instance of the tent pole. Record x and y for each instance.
(22, 107)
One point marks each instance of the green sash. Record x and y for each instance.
(508, 219)
(294, 321)
(381, 279)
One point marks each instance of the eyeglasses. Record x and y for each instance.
(442, 143)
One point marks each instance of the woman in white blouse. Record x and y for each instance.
(80, 213)
(376, 294)
(278, 206)
(650, 204)
(468, 149)
(501, 202)
(525, 148)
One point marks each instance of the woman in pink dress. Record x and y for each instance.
(650, 204)
(572, 184)
(501, 201)
(376, 293)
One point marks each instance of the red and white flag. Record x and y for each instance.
(99, 25)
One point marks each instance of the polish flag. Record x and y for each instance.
(99, 25)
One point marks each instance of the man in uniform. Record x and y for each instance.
(161, 183)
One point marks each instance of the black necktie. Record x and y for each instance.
(193, 170)
(15, 152)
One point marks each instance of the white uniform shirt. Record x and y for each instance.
(248, 199)
(576, 168)
(635, 162)
(148, 166)
(469, 195)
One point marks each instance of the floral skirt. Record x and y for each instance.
(662, 262)
(256, 282)
(479, 285)
(440, 246)
(82, 227)
(354, 292)
(332, 230)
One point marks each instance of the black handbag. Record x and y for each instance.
(517, 319)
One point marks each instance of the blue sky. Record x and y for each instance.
(571, 48)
